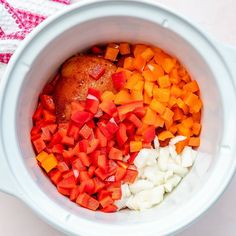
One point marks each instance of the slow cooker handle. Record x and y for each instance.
(8, 183)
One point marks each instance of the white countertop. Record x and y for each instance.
(218, 18)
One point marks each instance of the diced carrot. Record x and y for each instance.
(167, 114)
(146, 98)
(178, 114)
(196, 106)
(168, 64)
(188, 123)
(182, 130)
(159, 58)
(139, 49)
(159, 122)
(49, 163)
(122, 97)
(180, 145)
(124, 48)
(132, 82)
(111, 53)
(175, 91)
(196, 128)
(165, 135)
(164, 81)
(156, 70)
(148, 54)
(139, 63)
(136, 95)
(161, 94)
(128, 63)
(173, 129)
(190, 99)
(191, 86)
(172, 101)
(148, 87)
(182, 105)
(108, 96)
(150, 117)
(135, 146)
(194, 142)
(157, 106)
(149, 76)
(197, 117)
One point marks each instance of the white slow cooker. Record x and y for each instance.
(91, 22)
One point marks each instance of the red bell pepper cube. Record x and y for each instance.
(91, 170)
(106, 201)
(68, 154)
(39, 145)
(112, 126)
(116, 194)
(64, 191)
(38, 114)
(74, 193)
(87, 186)
(130, 176)
(102, 126)
(108, 107)
(122, 164)
(35, 131)
(101, 137)
(73, 131)
(112, 166)
(129, 107)
(132, 157)
(81, 117)
(83, 176)
(85, 131)
(76, 106)
(84, 158)
(83, 145)
(103, 193)
(120, 173)
(96, 93)
(92, 105)
(58, 148)
(109, 209)
(125, 149)
(110, 178)
(149, 134)
(102, 162)
(62, 166)
(78, 165)
(66, 183)
(46, 134)
(48, 117)
(47, 102)
(119, 80)
(98, 185)
(135, 120)
(93, 145)
(130, 128)
(94, 157)
(121, 135)
(140, 112)
(97, 71)
(86, 201)
(91, 124)
(99, 172)
(55, 176)
(68, 141)
(56, 139)
(115, 154)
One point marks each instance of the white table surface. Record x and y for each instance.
(217, 17)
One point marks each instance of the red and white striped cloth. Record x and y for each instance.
(18, 18)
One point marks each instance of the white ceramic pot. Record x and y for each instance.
(90, 22)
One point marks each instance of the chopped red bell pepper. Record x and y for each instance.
(93, 145)
(68, 141)
(96, 93)
(74, 193)
(39, 145)
(83, 176)
(112, 126)
(78, 165)
(84, 158)
(64, 191)
(129, 107)
(109, 209)
(86, 201)
(132, 157)
(66, 183)
(108, 107)
(121, 135)
(73, 131)
(115, 154)
(97, 72)
(58, 148)
(85, 131)
(87, 186)
(119, 80)
(96, 50)
(130, 176)
(38, 114)
(99, 172)
(81, 117)
(120, 173)
(91, 171)
(101, 137)
(106, 201)
(135, 120)
(140, 112)
(55, 176)
(92, 105)
(102, 162)
(103, 128)
(62, 166)
(48, 117)
(149, 134)
(98, 185)
(83, 145)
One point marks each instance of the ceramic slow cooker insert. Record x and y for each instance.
(87, 23)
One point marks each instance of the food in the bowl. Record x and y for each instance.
(117, 127)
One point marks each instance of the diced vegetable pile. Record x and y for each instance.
(92, 155)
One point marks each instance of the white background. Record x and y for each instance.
(217, 17)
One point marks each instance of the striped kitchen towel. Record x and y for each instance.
(18, 18)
